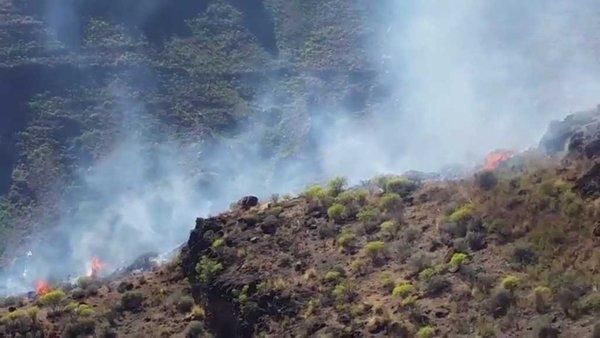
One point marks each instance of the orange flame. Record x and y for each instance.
(96, 266)
(496, 157)
(41, 287)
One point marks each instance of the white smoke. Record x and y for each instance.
(466, 77)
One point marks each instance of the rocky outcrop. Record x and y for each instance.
(578, 134)
(248, 202)
(588, 185)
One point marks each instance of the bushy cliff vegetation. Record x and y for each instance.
(78, 77)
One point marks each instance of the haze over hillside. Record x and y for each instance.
(122, 120)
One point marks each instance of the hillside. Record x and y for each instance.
(77, 78)
(507, 252)
(122, 121)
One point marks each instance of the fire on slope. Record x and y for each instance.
(96, 266)
(496, 157)
(42, 287)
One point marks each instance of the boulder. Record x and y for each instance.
(248, 202)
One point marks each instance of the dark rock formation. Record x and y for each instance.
(198, 242)
(248, 202)
(589, 184)
(578, 133)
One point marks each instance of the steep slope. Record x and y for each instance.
(507, 252)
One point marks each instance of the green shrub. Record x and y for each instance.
(195, 330)
(314, 193)
(524, 255)
(436, 285)
(374, 249)
(426, 274)
(346, 239)
(132, 300)
(420, 261)
(390, 202)
(547, 238)
(462, 214)
(333, 275)
(207, 269)
(336, 186)
(53, 299)
(217, 243)
(510, 283)
(475, 240)
(84, 310)
(500, 228)
(409, 301)
(386, 281)
(389, 227)
(426, 332)
(84, 281)
(499, 303)
(80, 328)
(402, 290)
(341, 293)
(541, 297)
(368, 214)
(458, 259)
(336, 211)
(358, 196)
(185, 304)
(401, 186)
(590, 303)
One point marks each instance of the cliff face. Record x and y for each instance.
(71, 73)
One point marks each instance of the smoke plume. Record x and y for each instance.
(466, 77)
